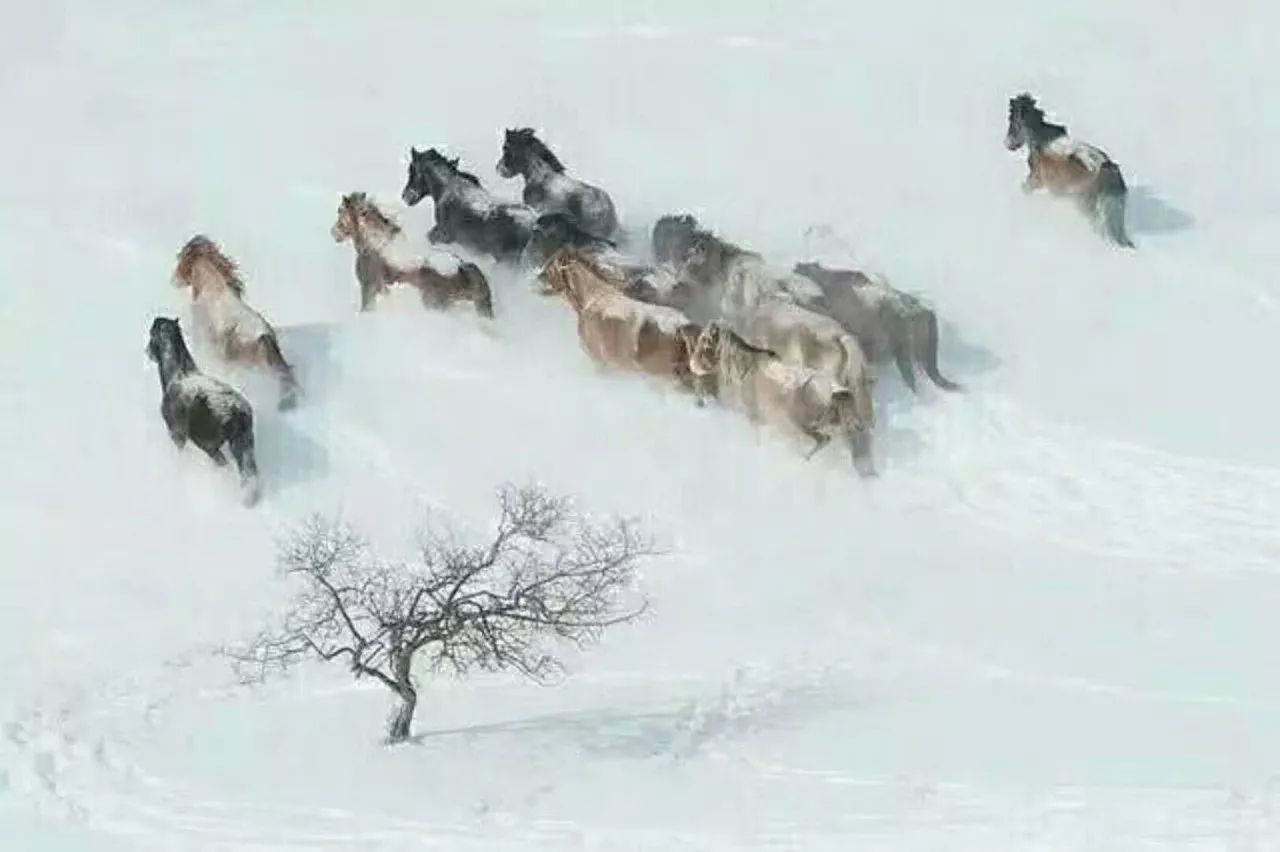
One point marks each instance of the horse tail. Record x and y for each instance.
(240, 442)
(288, 381)
(478, 288)
(1110, 204)
(927, 350)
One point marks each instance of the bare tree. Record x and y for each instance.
(544, 574)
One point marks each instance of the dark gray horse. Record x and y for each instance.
(466, 213)
(200, 408)
(887, 322)
(548, 189)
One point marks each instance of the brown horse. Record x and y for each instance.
(770, 389)
(616, 330)
(440, 279)
(1068, 167)
(238, 332)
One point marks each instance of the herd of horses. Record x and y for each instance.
(792, 348)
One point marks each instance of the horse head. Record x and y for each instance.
(673, 237)
(167, 350)
(425, 175)
(1022, 111)
(704, 356)
(344, 227)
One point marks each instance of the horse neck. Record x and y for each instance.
(1040, 133)
(175, 362)
(209, 285)
(538, 170)
(583, 289)
(370, 238)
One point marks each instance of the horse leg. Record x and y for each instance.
(819, 441)
(241, 445)
(437, 234)
(269, 352)
(215, 453)
(902, 357)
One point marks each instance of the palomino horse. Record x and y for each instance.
(548, 189)
(782, 312)
(770, 389)
(887, 322)
(440, 280)
(1068, 167)
(223, 319)
(200, 408)
(616, 330)
(465, 213)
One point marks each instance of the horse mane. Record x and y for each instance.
(364, 207)
(452, 165)
(1025, 106)
(527, 136)
(200, 248)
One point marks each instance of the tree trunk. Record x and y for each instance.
(402, 719)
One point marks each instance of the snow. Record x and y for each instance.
(1049, 624)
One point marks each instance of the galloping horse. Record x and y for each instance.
(200, 408)
(1068, 167)
(548, 189)
(441, 279)
(465, 213)
(223, 319)
(616, 330)
(771, 389)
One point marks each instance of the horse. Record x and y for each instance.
(548, 189)
(466, 214)
(721, 279)
(440, 279)
(887, 322)
(618, 331)
(237, 331)
(553, 231)
(770, 389)
(199, 408)
(1068, 167)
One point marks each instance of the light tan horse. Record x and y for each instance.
(238, 332)
(1068, 167)
(616, 330)
(441, 279)
(770, 389)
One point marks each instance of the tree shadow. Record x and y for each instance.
(680, 731)
(1146, 213)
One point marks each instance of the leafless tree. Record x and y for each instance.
(544, 574)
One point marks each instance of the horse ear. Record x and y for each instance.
(414, 153)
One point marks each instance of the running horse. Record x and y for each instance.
(1068, 167)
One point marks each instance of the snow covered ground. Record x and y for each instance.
(1051, 623)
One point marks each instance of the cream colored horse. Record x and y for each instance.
(222, 319)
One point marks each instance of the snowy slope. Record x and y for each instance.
(1050, 624)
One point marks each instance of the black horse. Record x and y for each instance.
(200, 408)
(466, 214)
(548, 189)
